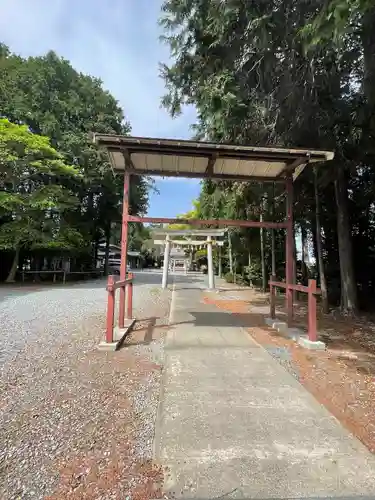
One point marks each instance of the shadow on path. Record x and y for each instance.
(223, 319)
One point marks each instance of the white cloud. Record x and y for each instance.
(116, 41)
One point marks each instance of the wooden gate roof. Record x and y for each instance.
(181, 158)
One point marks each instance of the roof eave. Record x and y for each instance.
(295, 160)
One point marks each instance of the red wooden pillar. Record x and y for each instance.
(289, 249)
(124, 246)
(311, 302)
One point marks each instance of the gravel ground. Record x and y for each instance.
(76, 422)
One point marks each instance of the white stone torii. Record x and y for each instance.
(208, 233)
(197, 243)
(190, 243)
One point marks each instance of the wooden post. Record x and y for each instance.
(167, 252)
(124, 247)
(110, 309)
(272, 299)
(129, 297)
(289, 250)
(311, 302)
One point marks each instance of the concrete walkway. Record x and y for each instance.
(233, 423)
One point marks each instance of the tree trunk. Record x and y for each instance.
(262, 253)
(106, 251)
(96, 250)
(305, 255)
(319, 249)
(368, 43)
(220, 267)
(295, 293)
(273, 242)
(249, 265)
(349, 299)
(273, 253)
(315, 246)
(13, 270)
(262, 259)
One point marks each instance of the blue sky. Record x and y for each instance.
(116, 41)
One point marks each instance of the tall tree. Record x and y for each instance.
(33, 197)
(48, 95)
(319, 250)
(246, 69)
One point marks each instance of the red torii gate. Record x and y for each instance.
(190, 159)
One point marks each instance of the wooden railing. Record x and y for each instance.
(312, 292)
(125, 306)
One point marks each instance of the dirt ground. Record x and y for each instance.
(104, 451)
(342, 378)
(112, 466)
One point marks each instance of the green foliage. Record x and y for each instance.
(62, 107)
(229, 277)
(191, 214)
(33, 202)
(336, 18)
(200, 255)
(138, 234)
(253, 272)
(179, 227)
(246, 69)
